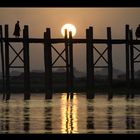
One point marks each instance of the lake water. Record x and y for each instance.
(77, 115)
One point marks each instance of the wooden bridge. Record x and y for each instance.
(89, 41)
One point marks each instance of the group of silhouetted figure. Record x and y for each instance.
(17, 31)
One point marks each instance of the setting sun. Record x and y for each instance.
(69, 27)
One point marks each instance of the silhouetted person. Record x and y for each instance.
(17, 30)
(137, 33)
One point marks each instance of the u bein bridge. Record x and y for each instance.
(49, 43)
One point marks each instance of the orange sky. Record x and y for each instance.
(100, 18)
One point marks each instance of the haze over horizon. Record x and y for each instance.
(39, 19)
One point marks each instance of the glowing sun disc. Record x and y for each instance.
(69, 27)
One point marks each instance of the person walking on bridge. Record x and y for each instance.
(137, 33)
(17, 30)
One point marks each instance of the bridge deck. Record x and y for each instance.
(61, 40)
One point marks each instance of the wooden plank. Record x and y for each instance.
(74, 40)
(16, 66)
(58, 66)
(136, 61)
(100, 66)
(135, 42)
(81, 40)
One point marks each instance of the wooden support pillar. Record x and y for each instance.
(48, 64)
(132, 57)
(89, 60)
(7, 63)
(127, 54)
(89, 56)
(71, 74)
(110, 72)
(26, 63)
(67, 61)
(2, 62)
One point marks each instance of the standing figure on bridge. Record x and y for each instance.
(137, 33)
(17, 30)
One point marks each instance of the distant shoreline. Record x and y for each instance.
(59, 86)
(98, 90)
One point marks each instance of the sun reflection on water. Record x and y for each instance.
(69, 122)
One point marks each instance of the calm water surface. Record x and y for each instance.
(77, 115)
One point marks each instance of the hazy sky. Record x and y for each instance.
(100, 18)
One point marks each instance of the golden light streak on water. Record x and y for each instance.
(69, 114)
